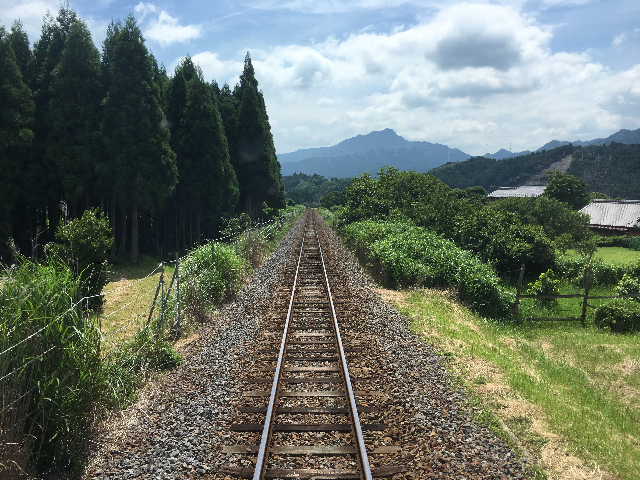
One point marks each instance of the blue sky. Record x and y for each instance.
(478, 76)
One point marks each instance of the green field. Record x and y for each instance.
(558, 387)
(615, 254)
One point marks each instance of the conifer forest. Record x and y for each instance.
(166, 157)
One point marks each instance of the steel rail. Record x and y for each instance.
(361, 448)
(268, 424)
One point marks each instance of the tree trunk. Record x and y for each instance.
(190, 222)
(122, 245)
(112, 224)
(134, 231)
(197, 225)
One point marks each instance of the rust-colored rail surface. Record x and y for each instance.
(311, 427)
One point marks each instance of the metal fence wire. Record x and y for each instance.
(161, 318)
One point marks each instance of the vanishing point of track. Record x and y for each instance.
(311, 425)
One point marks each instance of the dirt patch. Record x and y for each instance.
(507, 405)
(393, 297)
(182, 344)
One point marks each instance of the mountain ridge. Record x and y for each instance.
(367, 153)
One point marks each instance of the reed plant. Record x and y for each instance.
(50, 371)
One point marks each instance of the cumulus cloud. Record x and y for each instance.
(29, 12)
(163, 28)
(224, 71)
(473, 74)
(469, 49)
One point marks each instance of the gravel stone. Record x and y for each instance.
(180, 433)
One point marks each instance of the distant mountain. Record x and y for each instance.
(622, 136)
(367, 153)
(502, 154)
(386, 138)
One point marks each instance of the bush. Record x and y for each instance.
(634, 243)
(84, 246)
(211, 273)
(573, 268)
(621, 315)
(628, 286)
(506, 242)
(615, 241)
(547, 284)
(400, 254)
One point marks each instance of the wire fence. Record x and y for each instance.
(151, 312)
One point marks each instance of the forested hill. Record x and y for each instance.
(367, 153)
(612, 169)
(164, 157)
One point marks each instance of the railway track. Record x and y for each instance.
(300, 416)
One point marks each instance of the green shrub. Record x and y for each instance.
(573, 268)
(620, 316)
(211, 273)
(615, 241)
(84, 246)
(634, 243)
(403, 255)
(546, 284)
(628, 285)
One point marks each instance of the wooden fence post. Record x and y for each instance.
(587, 286)
(517, 303)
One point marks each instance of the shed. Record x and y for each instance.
(523, 191)
(614, 217)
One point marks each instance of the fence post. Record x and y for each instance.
(587, 287)
(177, 324)
(79, 307)
(517, 302)
(155, 298)
(162, 305)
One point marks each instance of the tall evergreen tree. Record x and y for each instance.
(20, 44)
(133, 130)
(74, 116)
(16, 117)
(209, 183)
(207, 186)
(42, 183)
(255, 161)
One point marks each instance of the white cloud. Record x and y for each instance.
(29, 12)
(440, 81)
(213, 68)
(618, 39)
(163, 28)
(142, 9)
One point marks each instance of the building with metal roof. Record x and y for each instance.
(610, 217)
(519, 192)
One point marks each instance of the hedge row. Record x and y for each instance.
(400, 254)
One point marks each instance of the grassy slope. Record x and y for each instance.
(569, 394)
(132, 298)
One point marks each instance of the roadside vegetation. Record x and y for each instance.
(565, 393)
(68, 354)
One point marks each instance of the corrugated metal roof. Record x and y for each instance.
(523, 191)
(624, 214)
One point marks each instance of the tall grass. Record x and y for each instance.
(50, 372)
(209, 274)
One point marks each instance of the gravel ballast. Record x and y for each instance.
(178, 430)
